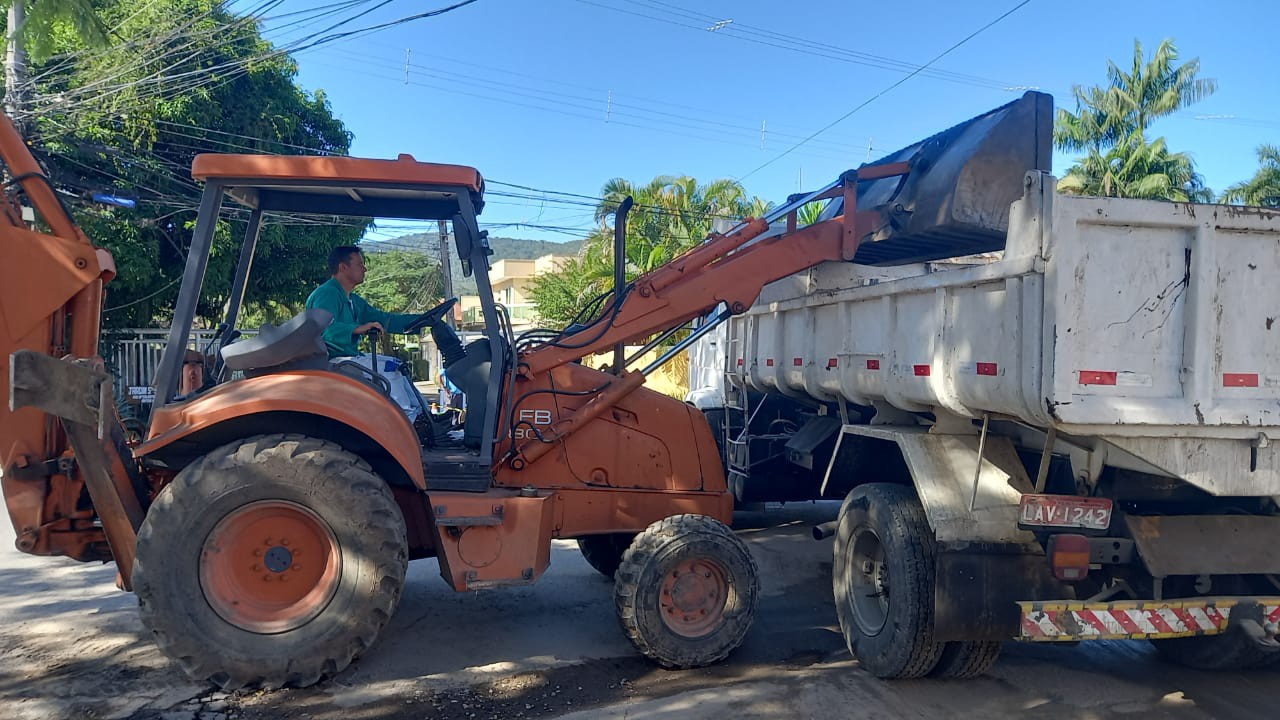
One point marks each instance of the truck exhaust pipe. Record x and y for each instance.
(822, 531)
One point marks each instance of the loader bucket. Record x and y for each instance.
(955, 201)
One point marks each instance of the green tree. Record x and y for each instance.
(402, 281)
(182, 77)
(1263, 189)
(32, 27)
(671, 215)
(1137, 170)
(1110, 125)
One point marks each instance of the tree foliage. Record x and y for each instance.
(1263, 189)
(671, 215)
(180, 77)
(402, 281)
(1110, 125)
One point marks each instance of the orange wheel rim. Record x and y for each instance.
(693, 597)
(270, 566)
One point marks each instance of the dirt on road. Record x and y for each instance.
(73, 647)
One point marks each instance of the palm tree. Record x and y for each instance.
(1263, 189)
(1132, 100)
(1134, 169)
(671, 215)
(1110, 125)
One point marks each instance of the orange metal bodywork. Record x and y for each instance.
(310, 392)
(50, 302)
(642, 459)
(265, 168)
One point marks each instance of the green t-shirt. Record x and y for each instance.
(349, 312)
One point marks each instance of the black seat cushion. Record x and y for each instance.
(295, 343)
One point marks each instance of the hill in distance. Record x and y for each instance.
(503, 249)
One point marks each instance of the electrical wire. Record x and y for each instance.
(880, 94)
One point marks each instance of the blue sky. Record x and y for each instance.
(565, 94)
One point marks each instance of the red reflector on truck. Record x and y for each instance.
(1240, 380)
(873, 364)
(798, 362)
(1097, 377)
(769, 362)
(1069, 556)
(987, 369)
(833, 363)
(921, 370)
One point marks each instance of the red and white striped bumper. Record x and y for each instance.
(1134, 620)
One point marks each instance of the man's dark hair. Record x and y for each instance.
(339, 255)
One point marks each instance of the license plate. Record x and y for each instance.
(1065, 511)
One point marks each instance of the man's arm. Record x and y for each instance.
(391, 322)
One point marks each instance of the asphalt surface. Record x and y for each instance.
(71, 646)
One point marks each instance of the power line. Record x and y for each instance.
(878, 95)
(796, 44)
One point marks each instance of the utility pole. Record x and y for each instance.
(15, 66)
(446, 270)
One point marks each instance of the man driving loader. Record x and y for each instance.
(353, 317)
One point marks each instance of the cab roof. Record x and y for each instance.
(330, 185)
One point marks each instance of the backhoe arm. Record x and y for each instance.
(724, 270)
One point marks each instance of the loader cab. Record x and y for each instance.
(328, 189)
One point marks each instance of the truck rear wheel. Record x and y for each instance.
(966, 659)
(604, 552)
(270, 561)
(1231, 650)
(686, 591)
(883, 581)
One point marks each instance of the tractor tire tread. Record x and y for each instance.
(368, 498)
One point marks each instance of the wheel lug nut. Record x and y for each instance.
(267, 542)
(867, 567)
(296, 568)
(256, 568)
(284, 542)
(257, 552)
(707, 575)
(267, 577)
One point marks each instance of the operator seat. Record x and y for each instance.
(297, 344)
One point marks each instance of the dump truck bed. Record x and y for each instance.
(1149, 324)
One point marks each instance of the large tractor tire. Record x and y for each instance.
(686, 591)
(1231, 650)
(271, 561)
(604, 552)
(883, 581)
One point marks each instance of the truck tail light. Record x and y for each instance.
(1069, 556)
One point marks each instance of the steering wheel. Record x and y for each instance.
(432, 316)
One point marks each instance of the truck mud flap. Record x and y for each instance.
(1144, 619)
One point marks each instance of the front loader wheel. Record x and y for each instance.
(883, 581)
(686, 591)
(271, 561)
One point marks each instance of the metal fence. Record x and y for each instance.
(136, 355)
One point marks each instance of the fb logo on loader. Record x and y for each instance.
(531, 417)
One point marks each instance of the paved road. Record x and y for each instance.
(72, 647)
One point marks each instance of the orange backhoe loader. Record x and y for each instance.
(266, 521)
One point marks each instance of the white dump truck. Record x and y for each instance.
(1070, 439)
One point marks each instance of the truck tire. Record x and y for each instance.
(883, 575)
(1231, 650)
(966, 659)
(270, 561)
(686, 591)
(604, 552)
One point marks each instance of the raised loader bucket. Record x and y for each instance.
(956, 199)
